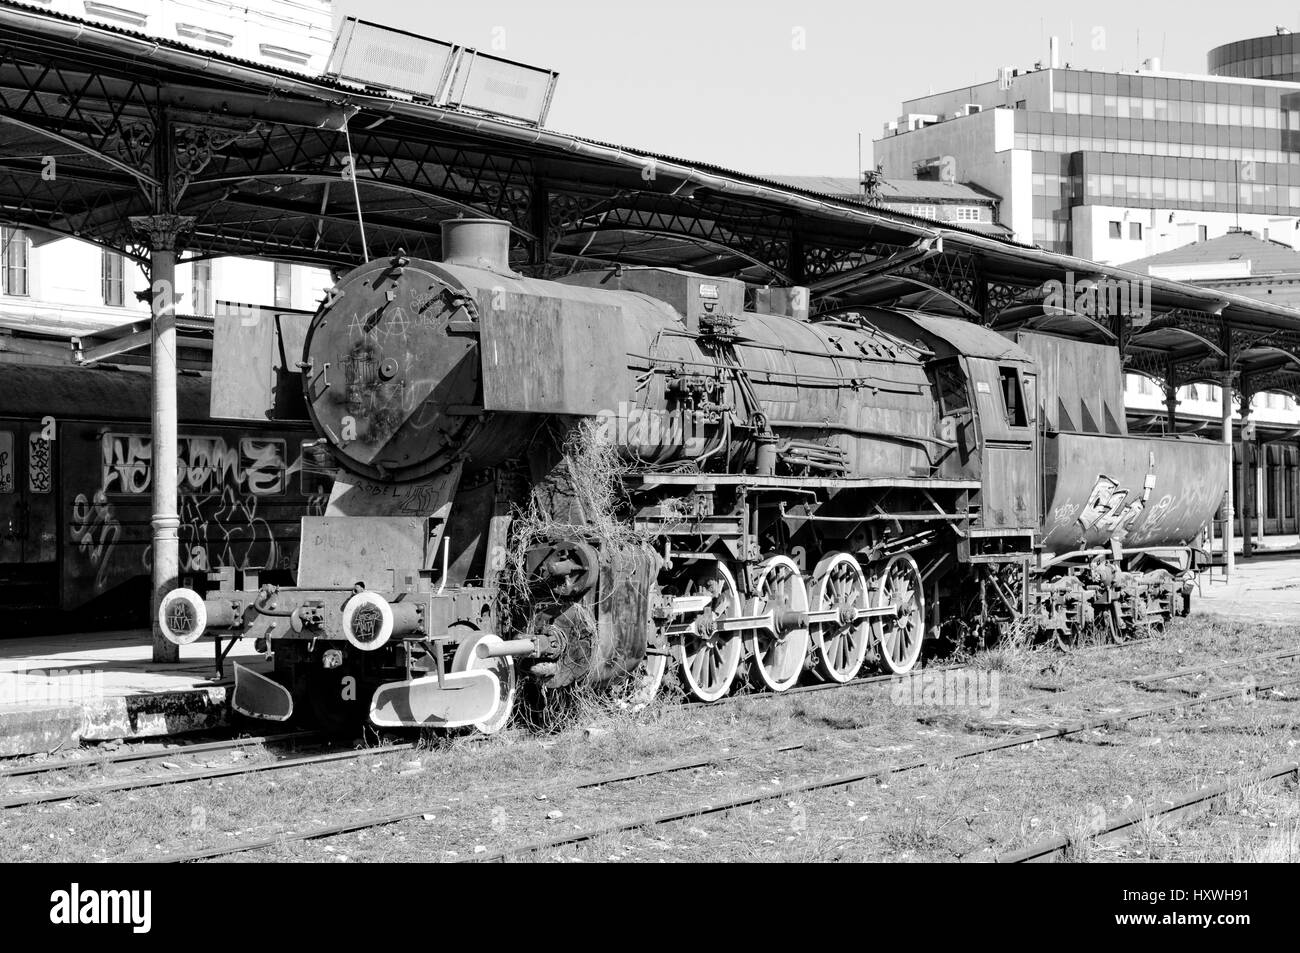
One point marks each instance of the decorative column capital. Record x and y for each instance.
(162, 231)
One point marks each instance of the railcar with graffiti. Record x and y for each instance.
(76, 475)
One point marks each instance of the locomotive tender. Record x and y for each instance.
(805, 497)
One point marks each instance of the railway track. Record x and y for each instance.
(847, 780)
(181, 751)
(844, 780)
(1148, 682)
(1202, 799)
(48, 796)
(22, 799)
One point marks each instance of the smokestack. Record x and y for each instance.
(477, 243)
(1054, 52)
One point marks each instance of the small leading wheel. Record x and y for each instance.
(466, 660)
(838, 583)
(901, 633)
(779, 655)
(708, 658)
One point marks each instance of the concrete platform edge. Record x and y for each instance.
(31, 729)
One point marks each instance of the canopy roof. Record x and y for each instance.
(266, 160)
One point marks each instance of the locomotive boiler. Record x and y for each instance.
(795, 498)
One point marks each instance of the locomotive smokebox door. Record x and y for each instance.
(392, 369)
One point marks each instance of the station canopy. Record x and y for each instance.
(99, 124)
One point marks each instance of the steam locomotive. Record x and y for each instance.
(797, 499)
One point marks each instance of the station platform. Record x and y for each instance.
(1264, 588)
(59, 691)
(1271, 545)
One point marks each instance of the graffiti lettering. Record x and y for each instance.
(203, 464)
(1160, 510)
(39, 479)
(1109, 507)
(223, 483)
(1063, 515)
(6, 464)
(94, 530)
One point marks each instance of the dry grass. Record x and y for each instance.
(487, 793)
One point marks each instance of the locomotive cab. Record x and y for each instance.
(986, 390)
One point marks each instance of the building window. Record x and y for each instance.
(202, 291)
(108, 11)
(113, 280)
(15, 256)
(1135, 230)
(1116, 230)
(283, 285)
(283, 53)
(189, 31)
(1202, 233)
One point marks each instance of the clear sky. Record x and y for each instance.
(774, 86)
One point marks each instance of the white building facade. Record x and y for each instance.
(1115, 166)
(61, 286)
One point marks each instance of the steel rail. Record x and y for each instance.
(1142, 681)
(126, 757)
(1058, 844)
(1226, 663)
(383, 820)
(858, 776)
(67, 794)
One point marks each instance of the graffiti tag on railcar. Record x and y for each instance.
(95, 530)
(203, 464)
(1112, 508)
(6, 462)
(39, 465)
(229, 490)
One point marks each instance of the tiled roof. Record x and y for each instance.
(891, 190)
(1266, 257)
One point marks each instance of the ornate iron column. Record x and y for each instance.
(1226, 383)
(1249, 501)
(163, 232)
(1171, 406)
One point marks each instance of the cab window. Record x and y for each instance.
(1013, 397)
(950, 382)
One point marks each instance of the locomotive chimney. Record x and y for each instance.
(477, 243)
